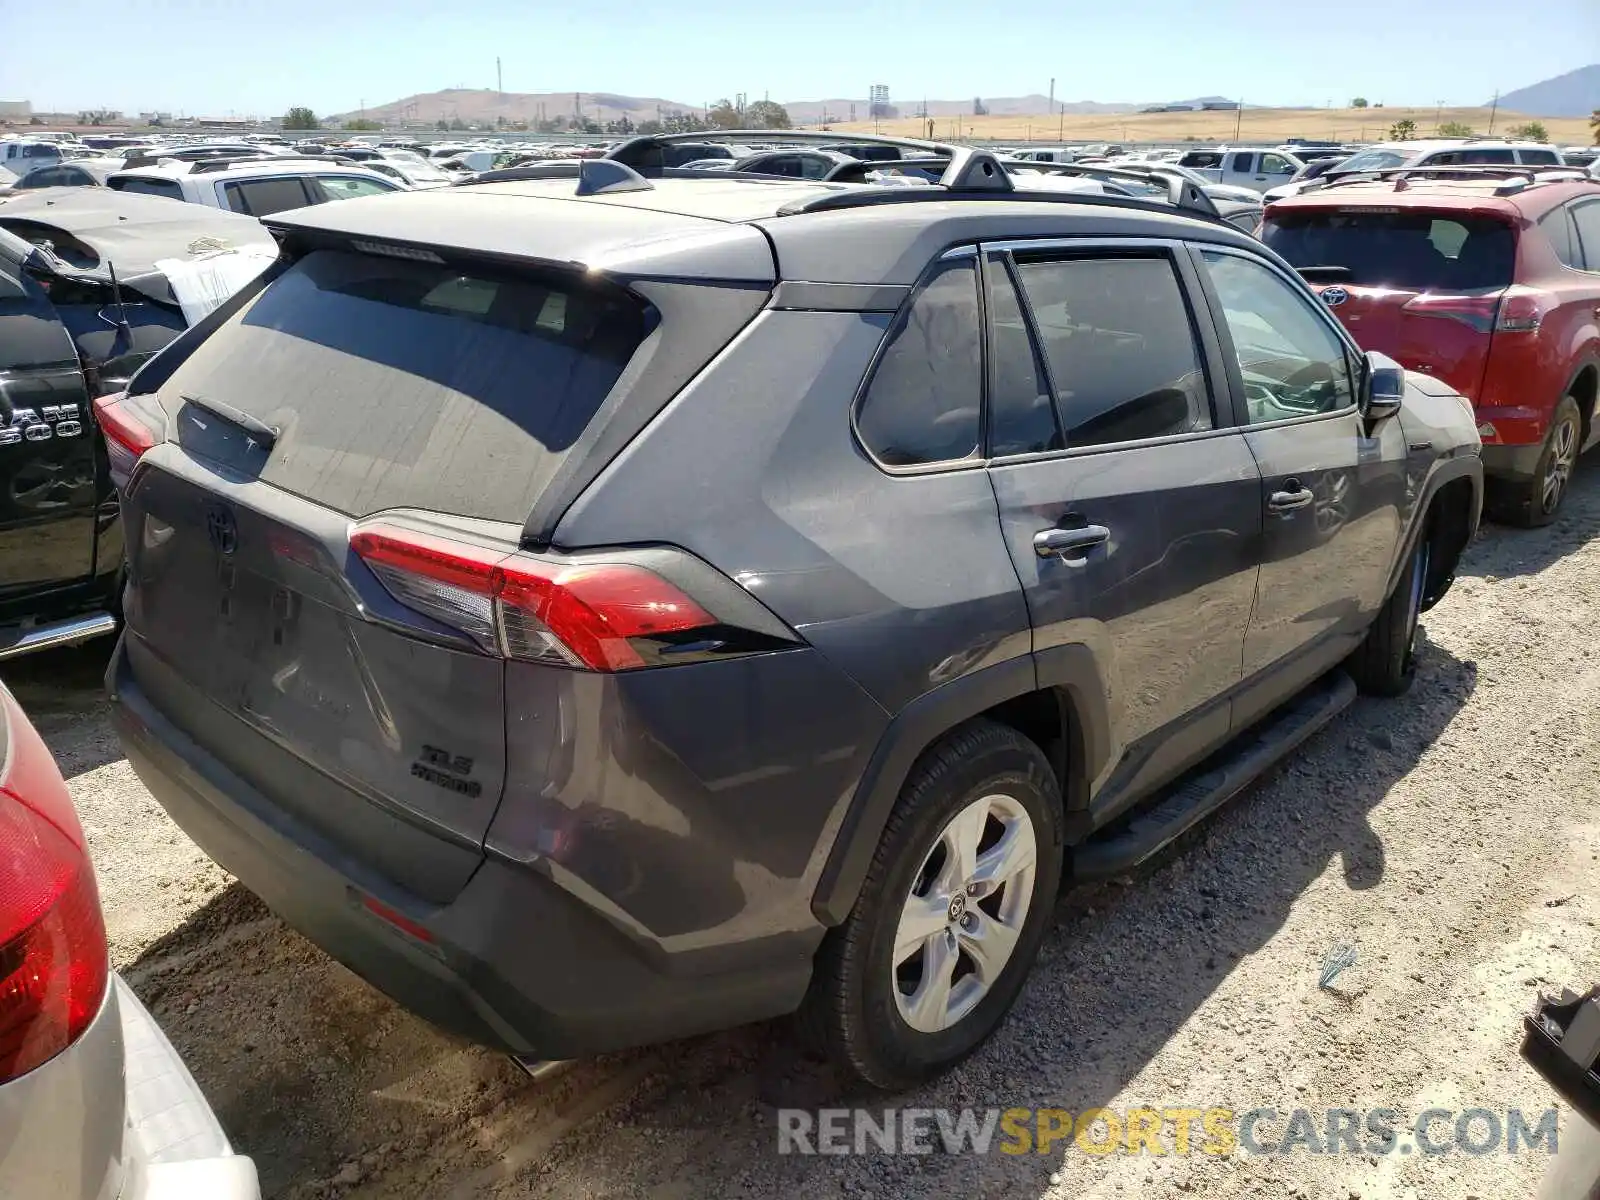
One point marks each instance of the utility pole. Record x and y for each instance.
(1050, 109)
(1238, 120)
(1494, 108)
(499, 79)
(1438, 114)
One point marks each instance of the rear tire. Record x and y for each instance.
(1385, 662)
(1530, 503)
(892, 1017)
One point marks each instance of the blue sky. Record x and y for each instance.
(210, 57)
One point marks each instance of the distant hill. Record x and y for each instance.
(483, 105)
(1575, 94)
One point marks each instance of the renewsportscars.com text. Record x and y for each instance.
(1164, 1131)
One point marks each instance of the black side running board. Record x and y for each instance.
(1215, 784)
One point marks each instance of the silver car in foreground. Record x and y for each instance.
(95, 1104)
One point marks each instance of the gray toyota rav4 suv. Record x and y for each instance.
(608, 608)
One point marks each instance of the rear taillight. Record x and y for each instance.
(1515, 310)
(599, 616)
(53, 967)
(127, 435)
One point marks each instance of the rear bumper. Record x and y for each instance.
(117, 1116)
(173, 1148)
(1512, 462)
(515, 961)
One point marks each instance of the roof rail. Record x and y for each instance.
(978, 175)
(1182, 192)
(222, 164)
(633, 148)
(1518, 178)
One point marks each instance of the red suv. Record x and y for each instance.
(1490, 283)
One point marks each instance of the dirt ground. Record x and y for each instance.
(1254, 127)
(1452, 837)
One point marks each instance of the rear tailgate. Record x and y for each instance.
(356, 384)
(247, 632)
(1422, 285)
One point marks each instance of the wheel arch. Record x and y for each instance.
(1055, 698)
(1584, 387)
(1448, 512)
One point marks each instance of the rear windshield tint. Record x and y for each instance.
(406, 384)
(1419, 251)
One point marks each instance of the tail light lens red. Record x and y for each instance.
(1514, 310)
(583, 616)
(53, 965)
(127, 435)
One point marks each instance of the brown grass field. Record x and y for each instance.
(1268, 126)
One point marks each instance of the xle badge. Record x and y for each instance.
(446, 770)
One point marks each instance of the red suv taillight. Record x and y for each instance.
(585, 616)
(127, 435)
(1515, 310)
(53, 966)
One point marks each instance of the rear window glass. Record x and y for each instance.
(396, 383)
(1416, 250)
(150, 187)
(263, 197)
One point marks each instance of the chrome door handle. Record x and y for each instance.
(1069, 543)
(1286, 502)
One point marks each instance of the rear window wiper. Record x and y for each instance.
(264, 435)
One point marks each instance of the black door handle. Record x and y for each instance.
(1069, 543)
(1286, 502)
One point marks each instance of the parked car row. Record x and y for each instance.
(1487, 278)
(424, 623)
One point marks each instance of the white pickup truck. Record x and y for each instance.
(1250, 167)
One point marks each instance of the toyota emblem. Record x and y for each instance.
(1334, 296)
(223, 530)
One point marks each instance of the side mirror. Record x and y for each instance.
(1383, 388)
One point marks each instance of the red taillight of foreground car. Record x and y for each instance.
(127, 436)
(53, 966)
(1515, 310)
(582, 616)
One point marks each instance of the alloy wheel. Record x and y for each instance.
(960, 923)
(1563, 455)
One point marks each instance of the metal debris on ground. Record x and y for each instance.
(1335, 961)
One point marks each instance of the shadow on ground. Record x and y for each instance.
(1506, 552)
(63, 693)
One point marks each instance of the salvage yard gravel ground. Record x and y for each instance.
(1451, 837)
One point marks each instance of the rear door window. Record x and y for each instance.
(1557, 226)
(1120, 345)
(1244, 163)
(1022, 410)
(347, 187)
(406, 384)
(263, 197)
(922, 405)
(1586, 219)
(1419, 251)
